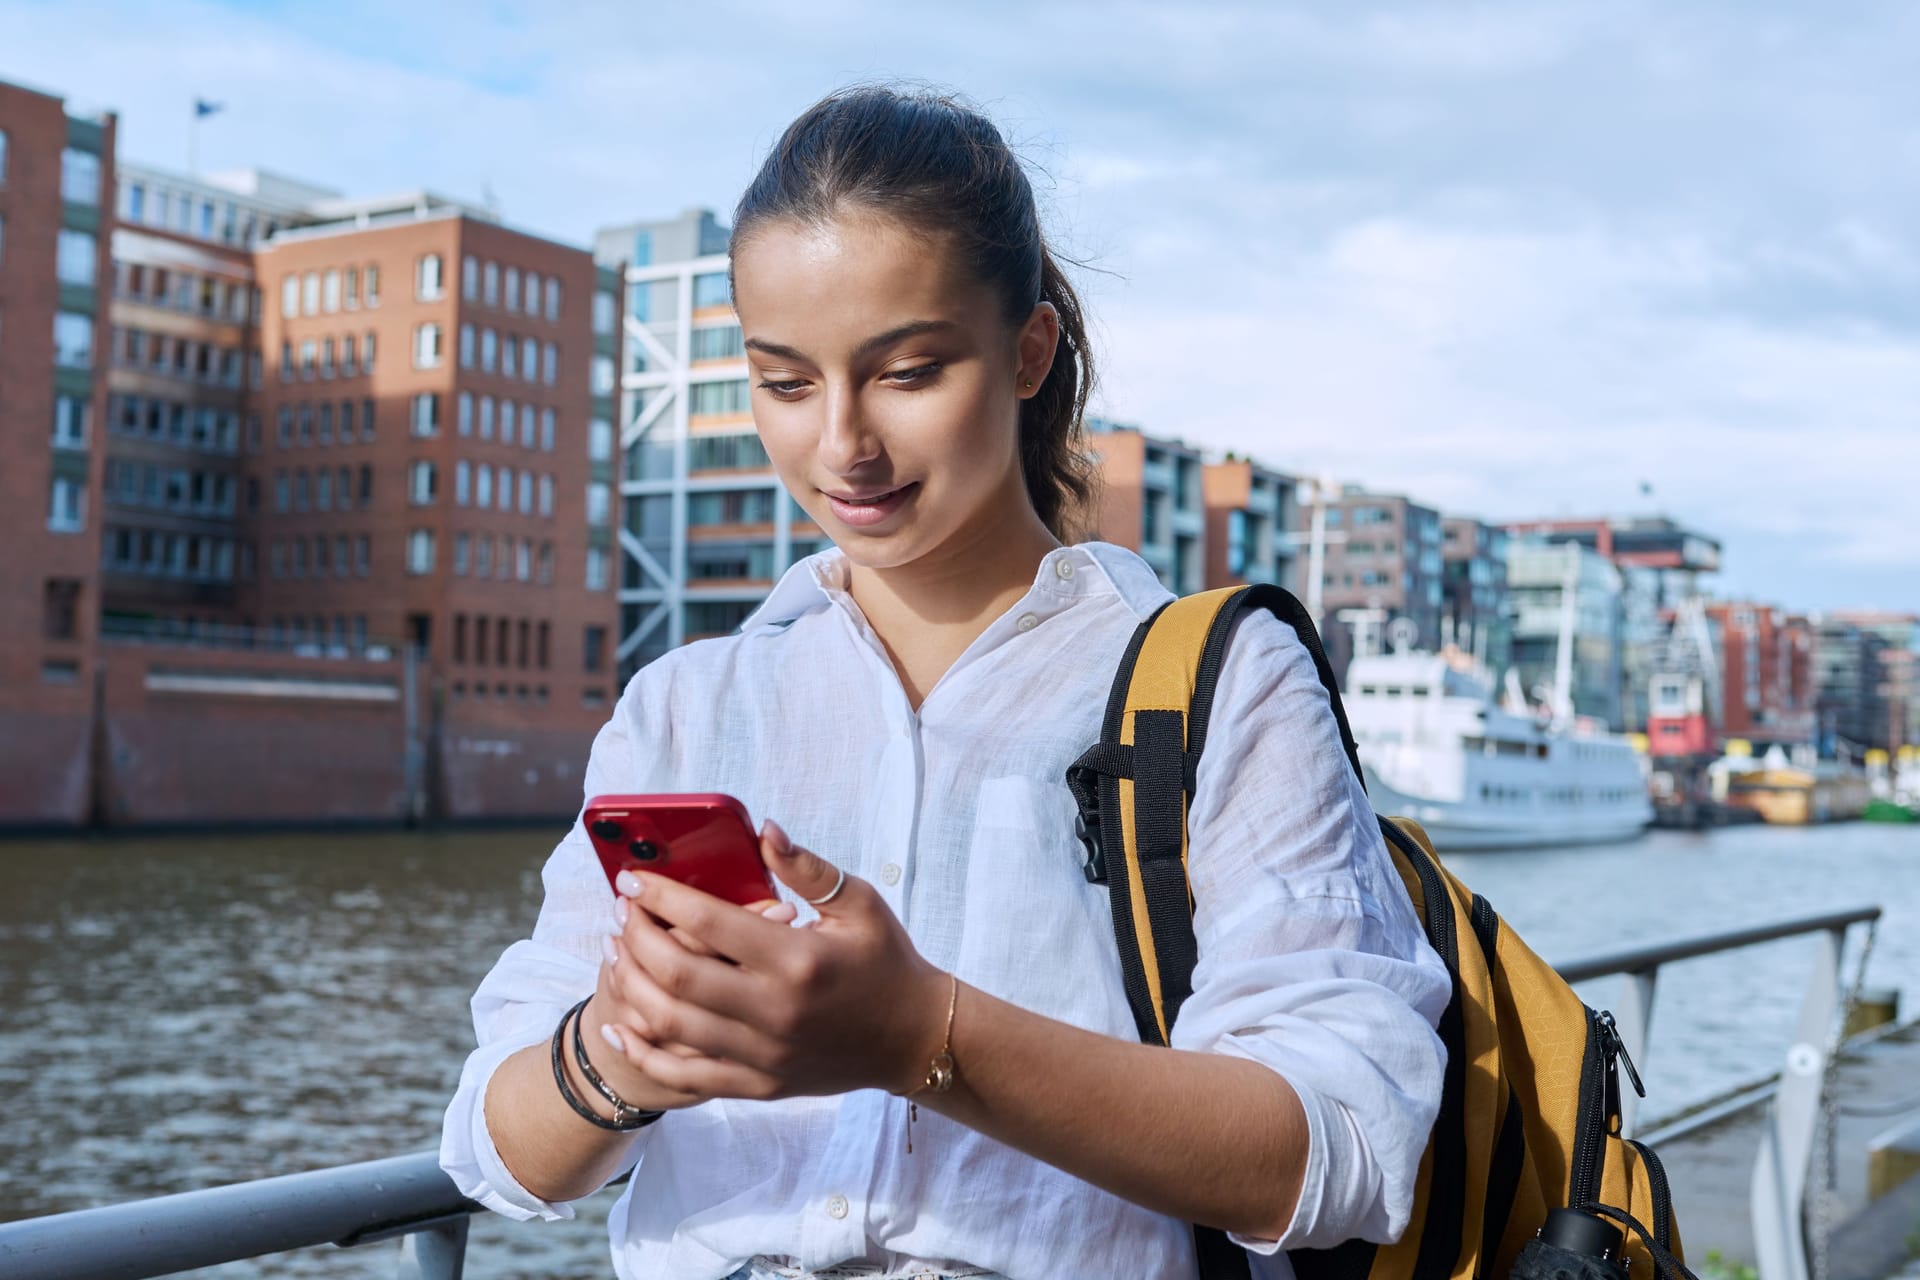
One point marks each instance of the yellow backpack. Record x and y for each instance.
(1530, 1110)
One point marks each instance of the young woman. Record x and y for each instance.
(902, 712)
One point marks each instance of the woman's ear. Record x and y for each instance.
(1039, 338)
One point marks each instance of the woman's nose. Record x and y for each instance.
(847, 439)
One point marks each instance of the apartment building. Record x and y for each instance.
(1249, 513)
(1152, 501)
(1477, 615)
(1382, 563)
(1567, 589)
(1766, 673)
(56, 220)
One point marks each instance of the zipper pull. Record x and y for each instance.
(1617, 1048)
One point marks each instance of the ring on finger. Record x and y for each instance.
(839, 883)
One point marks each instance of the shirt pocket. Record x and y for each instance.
(1037, 934)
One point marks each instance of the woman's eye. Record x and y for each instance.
(783, 388)
(917, 374)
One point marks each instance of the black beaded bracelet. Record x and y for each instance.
(626, 1117)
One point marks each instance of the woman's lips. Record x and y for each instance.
(863, 515)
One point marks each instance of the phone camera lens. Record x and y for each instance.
(645, 850)
(606, 829)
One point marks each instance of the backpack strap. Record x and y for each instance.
(1132, 790)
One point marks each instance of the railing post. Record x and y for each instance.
(1786, 1142)
(1633, 1018)
(438, 1252)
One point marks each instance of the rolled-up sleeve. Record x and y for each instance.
(1312, 961)
(537, 979)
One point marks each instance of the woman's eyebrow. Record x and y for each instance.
(911, 329)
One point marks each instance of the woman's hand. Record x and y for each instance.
(731, 1004)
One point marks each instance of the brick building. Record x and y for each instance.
(56, 217)
(1151, 501)
(1766, 672)
(1382, 564)
(1249, 514)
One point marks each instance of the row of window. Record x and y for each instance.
(336, 289)
(300, 491)
(66, 505)
(503, 642)
(311, 422)
(477, 416)
(340, 556)
(496, 286)
(194, 557)
(190, 426)
(147, 484)
(483, 487)
(481, 555)
(199, 295)
(72, 340)
(718, 342)
(79, 173)
(1494, 793)
(490, 351)
(317, 358)
(704, 398)
(188, 358)
(195, 215)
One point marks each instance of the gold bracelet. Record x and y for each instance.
(940, 1071)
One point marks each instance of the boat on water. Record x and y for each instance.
(1439, 747)
(1795, 797)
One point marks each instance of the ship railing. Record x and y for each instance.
(410, 1199)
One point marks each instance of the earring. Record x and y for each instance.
(1029, 384)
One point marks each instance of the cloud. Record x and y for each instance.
(1508, 258)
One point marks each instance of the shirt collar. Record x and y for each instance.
(1083, 570)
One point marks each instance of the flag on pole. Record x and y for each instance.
(202, 108)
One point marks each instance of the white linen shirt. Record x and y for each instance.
(1311, 960)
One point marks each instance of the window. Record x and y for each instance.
(523, 570)
(330, 292)
(718, 342)
(482, 566)
(326, 359)
(310, 293)
(546, 430)
(503, 484)
(596, 569)
(595, 656)
(526, 426)
(553, 299)
(602, 380)
(366, 419)
(466, 346)
(361, 549)
(512, 300)
(325, 427)
(469, 277)
(420, 551)
(509, 356)
(464, 415)
(79, 177)
(426, 413)
(597, 503)
(605, 307)
(546, 495)
(421, 481)
(711, 290)
(366, 354)
(353, 289)
(306, 424)
(426, 347)
(300, 489)
(462, 483)
(599, 439)
(72, 340)
(284, 425)
(286, 362)
(370, 287)
(489, 349)
(526, 493)
(67, 505)
(529, 359)
(309, 359)
(490, 284)
(718, 397)
(323, 491)
(460, 549)
(549, 364)
(486, 417)
(69, 421)
(427, 280)
(75, 258)
(483, 487)
(349, 363)
(3, 155)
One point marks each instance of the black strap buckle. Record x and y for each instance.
(1085, 785)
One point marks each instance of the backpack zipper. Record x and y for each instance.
(1662, 1194)
(1599, 1104)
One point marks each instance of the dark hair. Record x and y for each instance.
(939, 166)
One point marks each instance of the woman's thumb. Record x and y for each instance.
(810, 876)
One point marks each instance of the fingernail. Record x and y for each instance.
(620, 911)
(612, 1037)
(627, 883)
(774, 909)
(778, 838)
(611, 952)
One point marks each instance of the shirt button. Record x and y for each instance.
(1027, 622)
(836, 1206)
(1064, 568)
(890, 873)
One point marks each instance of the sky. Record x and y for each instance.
(1511, 260)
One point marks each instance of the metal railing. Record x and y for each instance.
(410, 1198)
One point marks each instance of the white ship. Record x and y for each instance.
(1437, 747)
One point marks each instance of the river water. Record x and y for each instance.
(181, 1012)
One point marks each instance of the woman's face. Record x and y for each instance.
(886, 385)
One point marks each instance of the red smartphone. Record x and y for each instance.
(706, 842)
